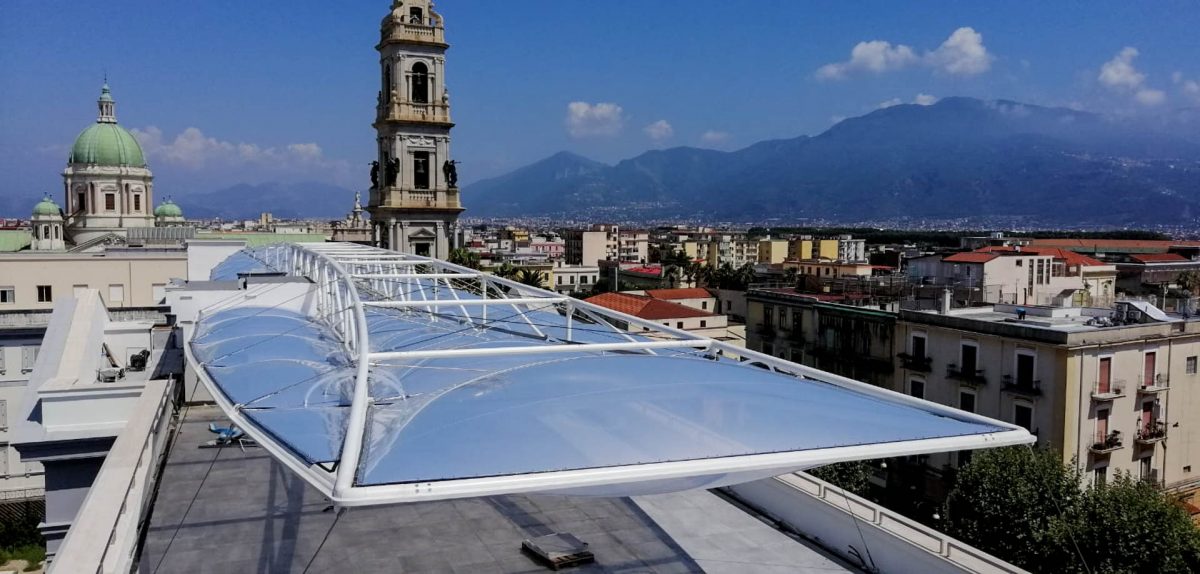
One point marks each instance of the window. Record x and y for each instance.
(918, 346)
(703, 323)
(110, 201)
(768, 315)
(783, 317)
(9, 295)
(421, 170)
(797, 324)
(1023, 416)
(583, 279)
(1101, 425)
(1025, 368)
(28, 358)
(679, 325)
(2, 371)
(420, 83)
(3, 416)
(1147, 468)
(116, 293)
(560, 279)
(1101, 475)
(137, 202)
(969, 358)
(704, 305)
(966, 401)
(1191, 361)
(916, 388)
(45, 294)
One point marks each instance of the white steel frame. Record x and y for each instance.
(337, 269)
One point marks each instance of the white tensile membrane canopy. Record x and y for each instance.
(403, 378)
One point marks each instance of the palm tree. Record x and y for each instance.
(746, 275)
(465, 257)
(690, 272)
(531, 277)
(505, 270)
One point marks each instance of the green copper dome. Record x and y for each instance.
(168, 209)
(46, 207)
(107, 144)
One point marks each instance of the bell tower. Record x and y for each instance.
(414, 202)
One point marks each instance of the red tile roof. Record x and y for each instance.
(1070, 257)
(645, 307)
(1159, 258)
(684, 293)
(971, 257)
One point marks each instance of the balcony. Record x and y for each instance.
(413, 112)
(1024, 387)
(1116, 389)
(1151, 433)
(1106, 443)
(430, 32)
(915, 363)
(1153, 385)
(972, 376)
(397, 198)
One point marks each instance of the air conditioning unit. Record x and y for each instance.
(110, 374)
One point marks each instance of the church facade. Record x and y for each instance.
(414, 200)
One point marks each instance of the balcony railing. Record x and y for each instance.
(973, 376)
(915, 363)
(420, 32)
(1106, 442)
(1115, 390)
(1153, 385)
(1025, 387)
(1152, 432)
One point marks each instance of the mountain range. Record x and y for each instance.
(961, 157)
(303, 200)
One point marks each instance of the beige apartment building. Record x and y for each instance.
(124, 278)
(772, 251)
(841, 248)
(603, 242)
(1117, 389)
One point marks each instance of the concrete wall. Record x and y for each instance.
(872, 536)
(131, 276)
(203, 255)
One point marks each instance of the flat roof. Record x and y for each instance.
(225, 510)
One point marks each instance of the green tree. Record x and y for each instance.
(1189, 280)
(531, 277)
(853, 476)
(1126, 526)
(1029, 508)
(465, 257)
(505, 270)
(1005, 501)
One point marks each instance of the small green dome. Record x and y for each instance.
(106, 143)
(46, 207)
(168, 209)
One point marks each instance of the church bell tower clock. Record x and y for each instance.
(414, 202)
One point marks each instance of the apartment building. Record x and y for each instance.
(840, 248)
(855, 342)
(1027, 276)
(772, 251)
(820, 268)
(603, 242)
(705, 323)
(1116, 389)
(123, 277)
(574, 278)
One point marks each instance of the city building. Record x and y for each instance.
(124, 277)
(704, 323)
(772, 251)
(854, 342)
(823, 268)
(1024, 275)
(1152, 273)
(844, 248)
(695, 297)
(1111, 388)
(589, 246)
(574, 278)
(414, 201)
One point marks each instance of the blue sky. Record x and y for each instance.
(229, 91)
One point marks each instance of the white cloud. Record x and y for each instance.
(589, 120)
(1119, 72)
(192, 150)
(925, 100)
(1150, 97)
(1191, 88)
(714, 137)
(963, 53)
(873, 56)
(1177, 77)
(889, 103)
(659, 131)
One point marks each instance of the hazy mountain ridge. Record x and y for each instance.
(959, 157)
(304, 200)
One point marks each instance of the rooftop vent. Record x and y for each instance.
(559, 550)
